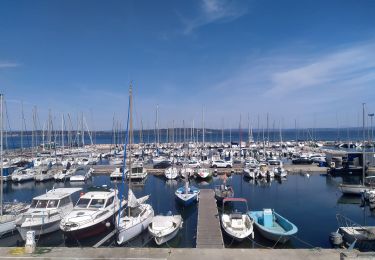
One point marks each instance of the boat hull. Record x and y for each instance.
(126, 234)
(352, 189)
(7, 227)
(186, 201)
(39, 229)
(281, 230)
(89, 231)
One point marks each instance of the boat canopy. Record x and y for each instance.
(57, 193)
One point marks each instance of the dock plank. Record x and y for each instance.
(208, 231)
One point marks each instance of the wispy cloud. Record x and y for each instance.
(296, 82)
(353, 66)
(211, 11)
(6, 64)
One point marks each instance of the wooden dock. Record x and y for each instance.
(208, 231)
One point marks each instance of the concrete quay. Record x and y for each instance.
(171, 253)
(237, 169)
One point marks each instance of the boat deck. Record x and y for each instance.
(208, 231)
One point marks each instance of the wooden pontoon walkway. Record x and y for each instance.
(208, 231)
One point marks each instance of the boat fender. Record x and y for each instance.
(336, 238)
(108, 224)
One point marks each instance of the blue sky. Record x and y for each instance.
(313, 61)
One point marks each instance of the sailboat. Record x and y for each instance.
(171, 173)
(187, 194)
(133, 221)
(137, 218)
(357, 189)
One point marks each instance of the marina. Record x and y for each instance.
(205, 129)
(285, 196)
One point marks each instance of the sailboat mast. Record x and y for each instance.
(22, 118)
(130, 136)
(203, 128)
(157, 125)
(363, 146)
(62, 131)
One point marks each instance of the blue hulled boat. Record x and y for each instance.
(273, 226)
(187, 194)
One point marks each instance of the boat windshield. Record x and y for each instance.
(52, 203)
(33, 203)
(235, 207)
(97, 203)
(83, 203)
(81, 172)
(41, 204)
(137, 170)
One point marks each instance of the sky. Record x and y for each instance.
(310, 62)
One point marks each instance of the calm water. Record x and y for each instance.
(234, 135)
(310, 203)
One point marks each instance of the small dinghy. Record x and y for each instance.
(273, 226)
(223, 191)
(203, 173)
(164, 228)
(234, 220)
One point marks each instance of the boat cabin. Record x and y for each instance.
(55, 198)
(95, 200)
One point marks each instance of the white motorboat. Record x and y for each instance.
(354, 189)
(165, 228)
(236, 222)
(262, 170)
(117, 173)
(203, 173)
(21, 175)
(186, 172)
(135, 219)
(116, 161)
(93, 214)
(81, 174)
(46, 211)
(249, 172)
(159, 159)
(138, 172)
(171, 173)
(251, 162)
(43, 174)
(280, 172)
(64, 174)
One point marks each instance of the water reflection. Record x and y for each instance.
(348, 199)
